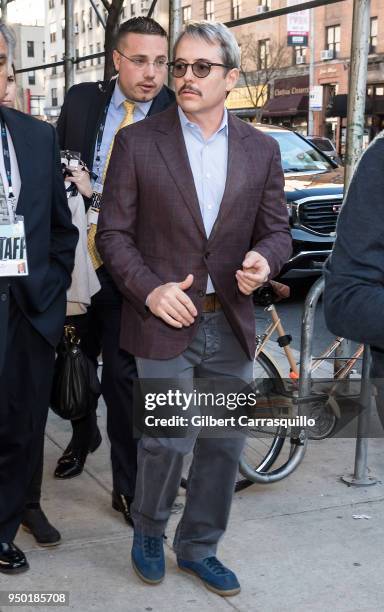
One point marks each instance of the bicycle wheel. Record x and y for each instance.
(262, 447)
(293, 451)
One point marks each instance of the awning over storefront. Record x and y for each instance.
(339, 106)
(285, 106)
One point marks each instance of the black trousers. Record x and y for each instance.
(99, 330)
(25, 385)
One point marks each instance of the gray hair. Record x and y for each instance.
(10, 40)
(214, 33)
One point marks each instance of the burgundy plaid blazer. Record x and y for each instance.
(151, 230)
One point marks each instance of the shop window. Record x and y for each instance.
(264, 56)
(52, 32)
(235, 9)
(333, 39)
(299, 55)
(187, 14)
(373, 35)
(30, 48)
(209, 10)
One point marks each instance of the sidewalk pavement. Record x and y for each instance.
(294, 544)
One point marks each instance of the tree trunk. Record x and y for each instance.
(111, 28)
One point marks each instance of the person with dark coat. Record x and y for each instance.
(32, 301)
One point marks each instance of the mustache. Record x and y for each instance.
(188, 88)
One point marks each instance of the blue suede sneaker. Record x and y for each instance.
(148, 557)
(214, 574)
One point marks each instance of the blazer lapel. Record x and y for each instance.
(170, 141)
(237, 172)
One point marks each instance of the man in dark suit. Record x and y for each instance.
(32, 307)
(193, 220)
(354, 274)
(91, 115)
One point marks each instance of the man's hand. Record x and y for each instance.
(82, 181)
(170, 303)
(254, 273)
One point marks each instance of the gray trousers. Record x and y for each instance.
(214, 353)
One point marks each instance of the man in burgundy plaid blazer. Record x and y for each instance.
(193, 220)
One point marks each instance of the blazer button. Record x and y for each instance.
(201, 293)
(3, 297)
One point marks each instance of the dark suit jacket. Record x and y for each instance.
(354, 274)
(51, 238)
(151, 230)
(82, 113)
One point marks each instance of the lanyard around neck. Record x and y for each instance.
(6, 157)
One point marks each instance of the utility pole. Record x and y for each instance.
(311, 68)
(69, 56)
(175, 23)
(357, 87)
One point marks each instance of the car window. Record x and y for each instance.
(324, 144)
(298, 155)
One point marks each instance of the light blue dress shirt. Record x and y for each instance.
(115, 116)
(208, 160)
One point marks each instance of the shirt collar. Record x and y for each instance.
(118, 98)
(186, 123)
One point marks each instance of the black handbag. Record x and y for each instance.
(76, 387)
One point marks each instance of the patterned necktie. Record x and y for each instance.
(129, 108)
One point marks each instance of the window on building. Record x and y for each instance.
(30, 48)
(63, 29)
(266, 3)
(90, 18)
(91, 53)
(373, 35)
(187, 14)
(299, 55)
(209, 10)
(83, 21)
(43, 52)
(98, 47)
(133, 9)
(235, 9)
(122, 13)
(31, 78)
(263, 54)
(76, 23)
(77, 66)
(54, 68)
(51, 4)
(54, 96)
(333, 39)
(84, 64)
(52, 32)
(98, 22)
(37, 106)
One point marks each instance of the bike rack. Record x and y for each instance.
(360, 476)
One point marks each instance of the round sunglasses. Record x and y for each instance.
(200, 68)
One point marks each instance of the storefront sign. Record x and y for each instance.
(244, 97)
(292, 86)
(297, 26)
(316, 98)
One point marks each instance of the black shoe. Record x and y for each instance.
(122, 503)
(71, 464)
(70, 468)
(12, 559)
(35, 522)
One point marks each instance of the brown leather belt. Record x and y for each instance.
(211, 303)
